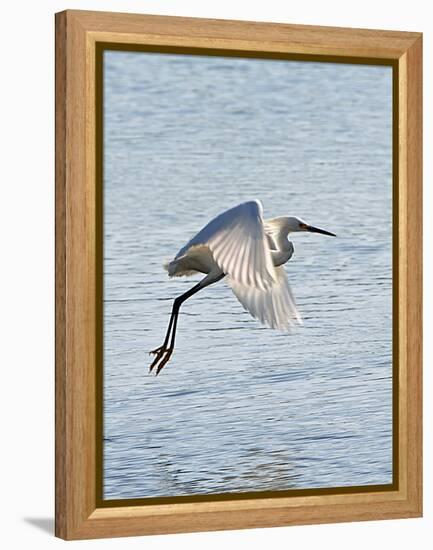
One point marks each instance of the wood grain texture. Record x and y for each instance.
(413, 290)
(245, 35)
(75, 285)
(77, 33)
(60, 263)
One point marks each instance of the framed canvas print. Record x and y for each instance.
(238, 274)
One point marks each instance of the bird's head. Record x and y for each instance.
(296, 224)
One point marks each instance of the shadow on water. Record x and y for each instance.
(269, 470)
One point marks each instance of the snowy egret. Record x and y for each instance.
(250, 252)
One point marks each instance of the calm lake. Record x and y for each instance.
(241, 407)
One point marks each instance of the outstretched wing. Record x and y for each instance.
(273, 306)
(239, 245)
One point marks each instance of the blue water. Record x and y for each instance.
(241, 407)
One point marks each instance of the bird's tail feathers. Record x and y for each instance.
(175, 268)
(170, 266)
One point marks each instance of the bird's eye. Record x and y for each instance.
(302, 225)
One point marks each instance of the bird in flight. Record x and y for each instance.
(250, 252)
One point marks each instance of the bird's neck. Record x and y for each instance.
(282, 241)
(279, 229)
(284, 252)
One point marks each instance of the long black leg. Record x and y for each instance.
(164, 352)
(167, 337)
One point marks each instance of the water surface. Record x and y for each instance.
(241, 407)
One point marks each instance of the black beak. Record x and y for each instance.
(312, 229)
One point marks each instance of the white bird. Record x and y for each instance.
(250, 252)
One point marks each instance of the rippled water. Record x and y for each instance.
(241, 407)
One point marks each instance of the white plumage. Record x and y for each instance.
(237, 243)
(250, 252)
(273, 306)
(235, 239)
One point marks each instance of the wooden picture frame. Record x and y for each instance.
(79, 35)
